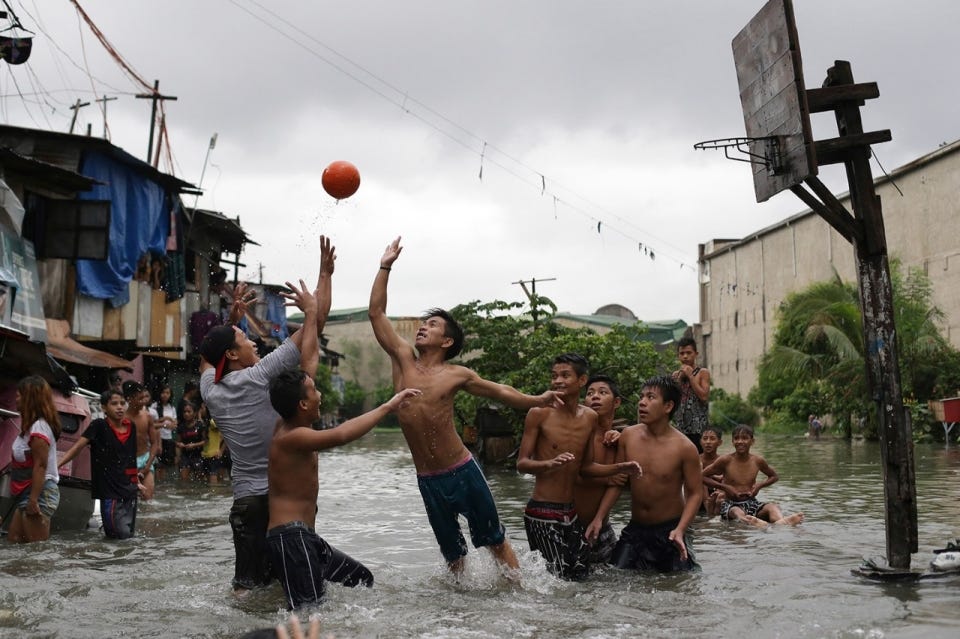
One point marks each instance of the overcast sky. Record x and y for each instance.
(579, 113)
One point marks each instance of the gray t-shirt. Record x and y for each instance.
(240, 405)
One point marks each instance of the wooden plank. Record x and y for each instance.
(837, 150)
(829, 98)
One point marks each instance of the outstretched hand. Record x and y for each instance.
(302, 298)
(398, 400)
(631, 468)
(561, 460)
(242, 297)
(391, 253)
(328, 256)
(551, 399)
(611, 437)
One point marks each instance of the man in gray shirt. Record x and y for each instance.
(234, 384)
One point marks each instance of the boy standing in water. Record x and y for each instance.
(301, 559)
(557, 448)
(148, 439)
(603, 396)
(710, 440)
(739, 471)
(234, 384)
(666, 497)
(450, 480)
(693, 411)
(113, 465)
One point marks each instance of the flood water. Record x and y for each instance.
(173, 579)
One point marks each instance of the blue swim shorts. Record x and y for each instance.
(48, 501)
(460, 490)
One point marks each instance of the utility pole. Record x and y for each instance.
(213, 143)
(75, 107)
(155, 97)
(531, 293)
(104, 99)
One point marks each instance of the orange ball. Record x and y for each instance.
(341, 179)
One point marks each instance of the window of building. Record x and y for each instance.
(68, 229)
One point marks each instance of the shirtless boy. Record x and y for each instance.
(301, 559)
(693, 409)
(710, 440)
(603, 396)
(450, 481)
(148, 439)
(739, 470)
(234, 383)
(557, 448)
(666, 497)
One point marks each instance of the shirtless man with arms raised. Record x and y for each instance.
(450, 480)
(558, 449)
(665, 499)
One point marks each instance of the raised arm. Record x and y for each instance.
(306, 339)
(324, 291)
(476, 385)
(309, 439)
(383, 330)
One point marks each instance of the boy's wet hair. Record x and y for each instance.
(286, 391)
(106, 395)
(669, 390)
(131, 388)
(451, 330)
(606, 379)
(742, 429)
(577, 361)
(687, 341)
(712, 429)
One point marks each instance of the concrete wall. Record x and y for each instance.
(743, 283)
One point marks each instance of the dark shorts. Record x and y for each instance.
(302, 561)
(602, 548)
(212, 465)
(119, 517)
(249, 517)
(555, 532)
(192, 462)
(168, 452)
(48, 500)
(648, 548)
(749, 506)
(460, 490)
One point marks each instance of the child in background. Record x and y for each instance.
(164, 415)
(710, 441)
(213, 449)
(113, 465)
(191, 437)
(739, 470)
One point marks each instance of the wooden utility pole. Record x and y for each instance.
(841, 95)
(155, 97)
(532, 293)
(75, 107)
(104, 99)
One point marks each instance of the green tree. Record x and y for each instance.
(816, 364)
(508, 347)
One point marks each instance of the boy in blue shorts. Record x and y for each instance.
(450, 480)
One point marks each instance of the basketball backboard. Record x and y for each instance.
(770, 74)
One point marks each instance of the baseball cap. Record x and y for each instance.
(215, 345)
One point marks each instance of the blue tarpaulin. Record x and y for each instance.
(139, 223)
(277, 315)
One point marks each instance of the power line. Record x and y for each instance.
(410, 106)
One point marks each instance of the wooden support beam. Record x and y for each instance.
(837, 150)
(829, 98)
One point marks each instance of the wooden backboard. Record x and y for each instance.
(770, 74)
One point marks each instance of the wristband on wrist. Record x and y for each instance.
(384, 268)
